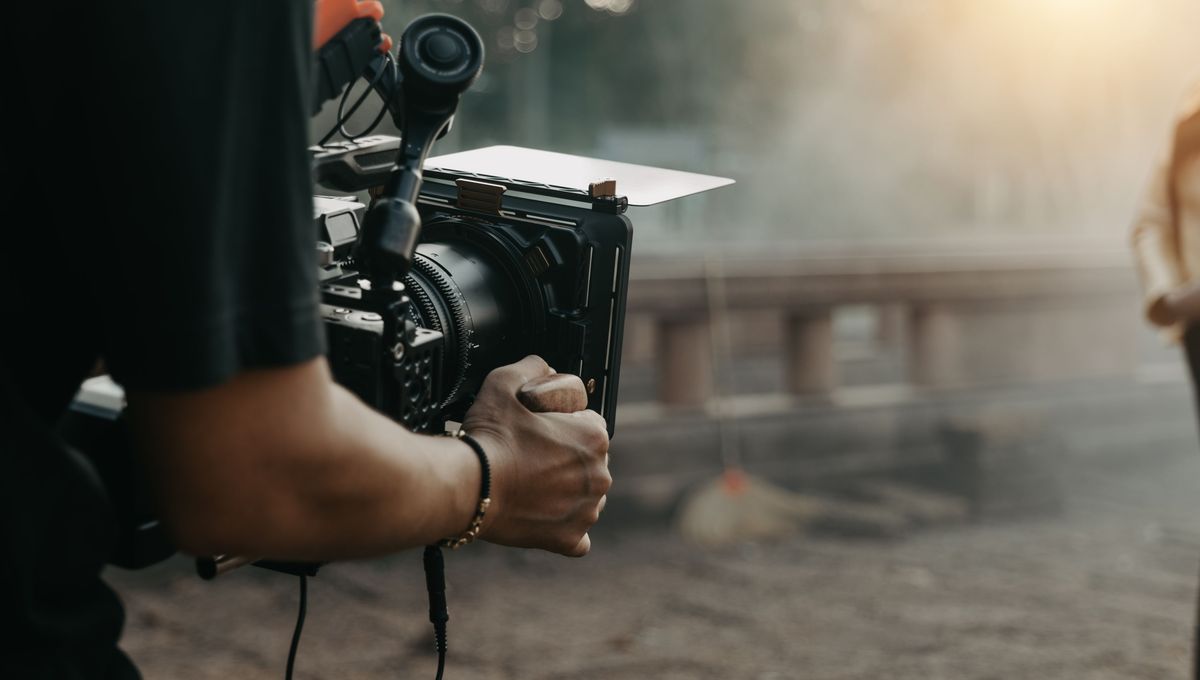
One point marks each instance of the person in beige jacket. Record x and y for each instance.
(1166, 243)
(1166, 234)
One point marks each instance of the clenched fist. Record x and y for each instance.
(549, 469)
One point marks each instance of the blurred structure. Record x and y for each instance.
(925, 248)
(968, 371)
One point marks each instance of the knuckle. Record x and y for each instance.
(604, 481)
(534, 362)
(498, 374)
(493, 384)
(596, 440)
(600, 423)
(532, 366)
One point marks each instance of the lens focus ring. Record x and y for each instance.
(453, 322)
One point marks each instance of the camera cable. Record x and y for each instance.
(435, 566)
(291, 659)
(435, 584)
(344, 116)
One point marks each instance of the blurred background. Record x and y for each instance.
(914, 317)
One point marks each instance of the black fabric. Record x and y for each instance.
(1191, 347)
(159, 218)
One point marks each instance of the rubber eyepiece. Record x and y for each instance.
(441, 49)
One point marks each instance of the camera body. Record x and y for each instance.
(495, 277)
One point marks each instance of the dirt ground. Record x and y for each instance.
(1106, 590)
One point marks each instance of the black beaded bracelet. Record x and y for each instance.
(485, 495)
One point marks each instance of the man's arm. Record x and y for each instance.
(287, 464)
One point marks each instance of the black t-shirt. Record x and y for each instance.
(158, 217)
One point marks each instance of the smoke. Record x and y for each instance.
(959, 118)
(861, 120)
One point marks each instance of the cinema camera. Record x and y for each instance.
(460, 264)
(519, 252)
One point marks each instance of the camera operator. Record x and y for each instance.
(160, 220)
(1166, 241)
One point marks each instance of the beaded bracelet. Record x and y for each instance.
(485, 495)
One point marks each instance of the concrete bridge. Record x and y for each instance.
(979, 369)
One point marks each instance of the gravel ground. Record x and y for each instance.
(1107, 590)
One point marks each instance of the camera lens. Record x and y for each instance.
(465, 290)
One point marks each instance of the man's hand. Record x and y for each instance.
(549, 470)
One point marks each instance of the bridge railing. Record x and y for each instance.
(961, 317)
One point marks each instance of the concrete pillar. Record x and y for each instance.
(810, 363)
(685, 375)
(935, 347)
(889, 325)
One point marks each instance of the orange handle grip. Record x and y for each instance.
(555, 393)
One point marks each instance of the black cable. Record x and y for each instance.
(344, 116)
(390, 67)
(370, 128)
(291, 661)
(435, 566)
(340, 121)
(435, 583)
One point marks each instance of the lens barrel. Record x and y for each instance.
(464, 290)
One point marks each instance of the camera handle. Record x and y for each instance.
(440, 56)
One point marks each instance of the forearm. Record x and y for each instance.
(284, 463)
(378, 488)
(287, 464)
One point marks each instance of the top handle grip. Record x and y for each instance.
(439, 57)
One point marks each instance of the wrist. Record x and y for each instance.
(499, 456)
(458, 476)
(482, 496)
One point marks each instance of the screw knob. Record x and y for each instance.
(324, 253)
